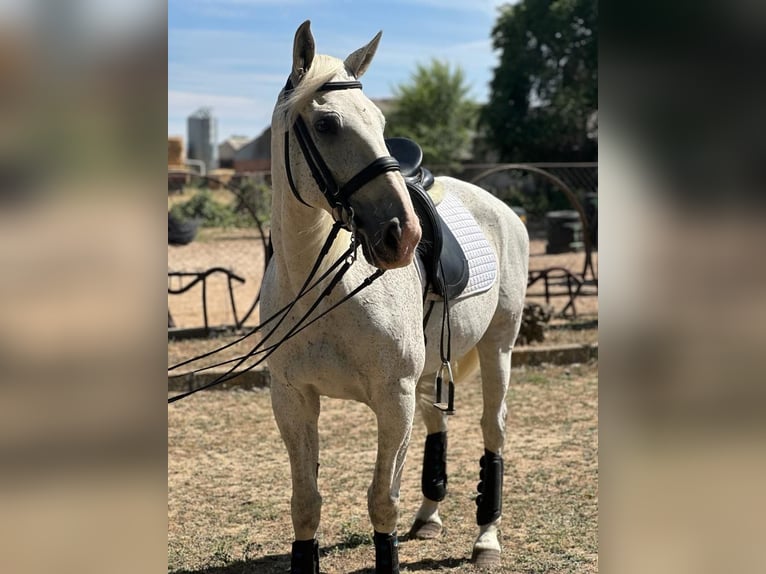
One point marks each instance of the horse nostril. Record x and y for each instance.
(392, 234)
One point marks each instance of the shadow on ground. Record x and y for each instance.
(264, 564)
(281, 563)
(421, 565)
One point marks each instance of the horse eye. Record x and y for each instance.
(327, 125)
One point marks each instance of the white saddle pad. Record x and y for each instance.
(482, 261)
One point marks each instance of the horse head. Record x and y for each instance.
(336, 157)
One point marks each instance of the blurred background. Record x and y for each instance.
(682, 394)
(84, 94)
(82, 420)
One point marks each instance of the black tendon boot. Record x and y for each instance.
(489, 503)
(305, 557)
(386, 553)
(434, 478)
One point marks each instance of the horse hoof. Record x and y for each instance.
(422, 530)
(486, 557)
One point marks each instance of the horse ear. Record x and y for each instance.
(358, 62)
(303, 51)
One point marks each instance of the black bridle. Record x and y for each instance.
(337, 195)
(338, 198)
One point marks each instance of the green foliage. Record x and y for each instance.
(209, 212)
(254, 200)
(204, 208)
(534, 194)
(546, 85)
(433, 110)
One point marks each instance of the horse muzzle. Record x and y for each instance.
(391, 243)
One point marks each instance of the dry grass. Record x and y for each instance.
(579, 331)
(229, 487)
(228, 475)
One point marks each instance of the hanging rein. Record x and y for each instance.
(337, 197)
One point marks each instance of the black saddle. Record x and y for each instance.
(439, 251)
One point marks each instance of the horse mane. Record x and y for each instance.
(322, 70)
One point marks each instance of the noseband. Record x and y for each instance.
(337, 195)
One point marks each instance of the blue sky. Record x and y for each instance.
(234, 55)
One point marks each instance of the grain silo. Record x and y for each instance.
(202, 130)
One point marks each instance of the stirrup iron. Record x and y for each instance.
(446, 406)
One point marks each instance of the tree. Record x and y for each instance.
(545, 87)
(433, 109)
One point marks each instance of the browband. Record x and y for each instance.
(337, 196)
(330, 86)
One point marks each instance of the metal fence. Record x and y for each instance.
(532, 186)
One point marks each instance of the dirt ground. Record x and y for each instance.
(228, 474)
(241, 251)
(229, 486)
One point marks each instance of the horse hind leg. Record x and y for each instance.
(495, 375)
(428, 523)
(297, 417)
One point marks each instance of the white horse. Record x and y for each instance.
(372, 348)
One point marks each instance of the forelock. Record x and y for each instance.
(322, 70)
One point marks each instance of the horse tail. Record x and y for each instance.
(466, 366)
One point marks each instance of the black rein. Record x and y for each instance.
(338, 198)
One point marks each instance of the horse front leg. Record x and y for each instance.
(427, 523)
(297, 415)
(394, 415)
